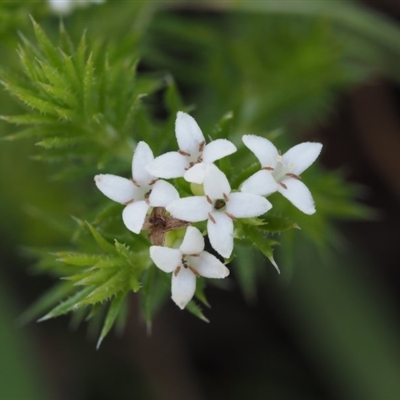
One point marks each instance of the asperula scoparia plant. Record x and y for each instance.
(217, 204)
(174, 217)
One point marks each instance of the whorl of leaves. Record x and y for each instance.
(79, 103)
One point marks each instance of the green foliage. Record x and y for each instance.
(85, 106)
(94, 282)
(81, 100)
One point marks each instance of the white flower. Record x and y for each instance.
(64, 7)
(139, 193)
(220, 207)
(193, 156)
(186, 263)
(282, 172)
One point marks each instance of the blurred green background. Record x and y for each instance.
(328, 326)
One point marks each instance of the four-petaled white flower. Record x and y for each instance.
(139, 193)
(282, 172)
(187, 263)
(193, 156)
(220, 207)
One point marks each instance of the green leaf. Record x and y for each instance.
(113, 311)
(135, 104)
(93, 276)
(193, 308)
(65, 41)
(244, 174)
(156, 286)
(88, 97)
(200, 295)
(124, 251)
(60, 142)
(101, 241)
(276, 223)
(70, 71)
(61, 95)
(173, 99)
(116, 283)
(31, 100)
(108, 262)
(68, 305)
(246, 271)
(28, 133)
(81, 55)
(223, 128)
(261, 242)
(56, 79)
(28, 119)
(45, 44)
(78, 259)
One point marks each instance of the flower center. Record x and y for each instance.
(280, 169)
(195, 158)
(186, 266)
(219, 204)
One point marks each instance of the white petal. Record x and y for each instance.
(215, 183)
(183, 287)
(165, 258)
(196, 173)
(298, 194)
(193, 242)
(263, 149)
(209, 266)
(142, 157)
(188, 133)
(168, 165)
(247, 205)
(262, 183)
(61, 7)
(116, 188)
(134, 215)
(220, 233)
(301, 156)
(218, 149)
(192, 209)
(163, 194)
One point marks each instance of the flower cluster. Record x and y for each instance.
(154, 204)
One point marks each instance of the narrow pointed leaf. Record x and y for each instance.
(60, 142)
(81, 55)
(115, 284)
(101, 241)
(28, 119)
(112, 314)
(45, 44)
(88, 85)
(200, 295)
(193, 308)
(222, 129)
(68, 305)
(156, 288)
(173, 99)
(78, 259)
(276, 223)
(124, 252)
(96, 277)
(264, 244)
